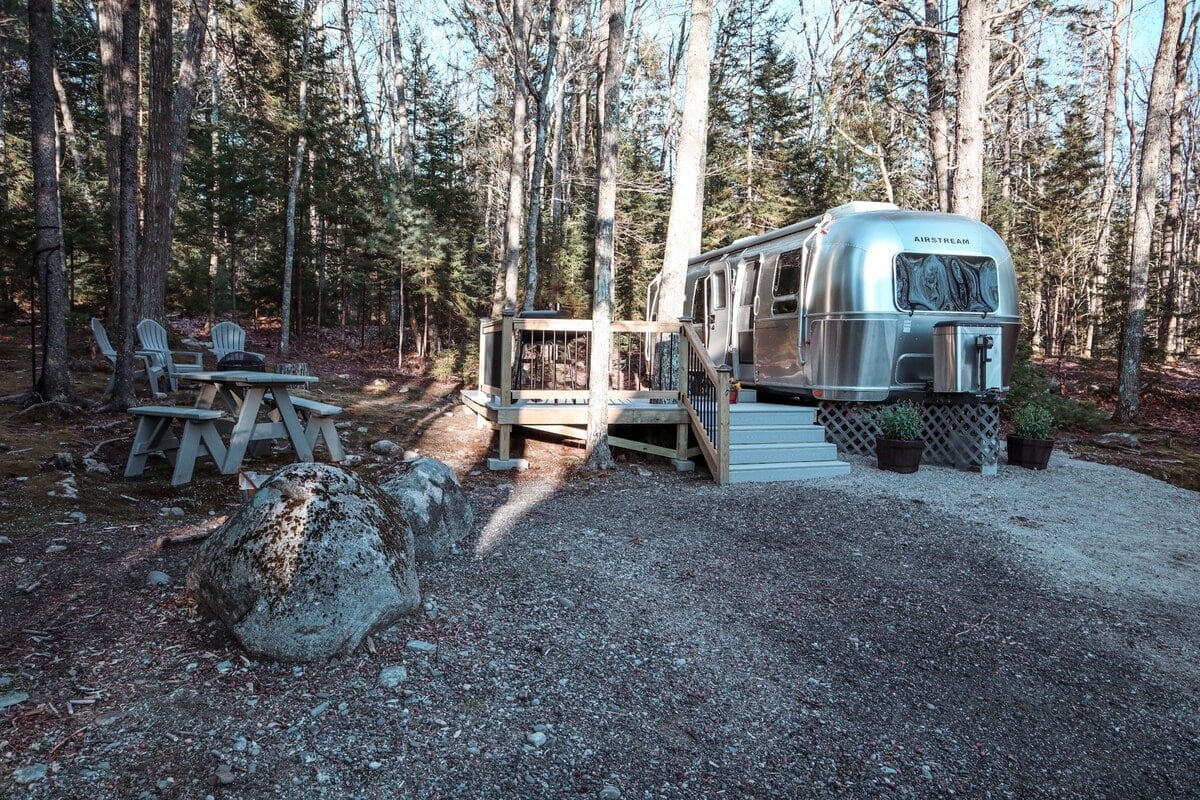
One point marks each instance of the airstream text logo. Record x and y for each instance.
(940, 240)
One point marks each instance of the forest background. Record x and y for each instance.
(372, 166)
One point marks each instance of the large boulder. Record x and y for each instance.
(315, 562)
(434, 504)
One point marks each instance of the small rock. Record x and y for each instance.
(223, 666)
(391, 677)
(5, 540)
(63, 461)
(94, 467)
(77, 516)
(55, 548)
(352, 460)
(1126, 441)
(171, 511)
(418, 646)
(12, 698)
(224, 775)
(362, 429)
(154, 578)
(374, 765)
(384, 447)
(319, 709)
(926, 772)
(343, 376)
(412, 455)
(888, 770)
(240, 744)
(566, 603)
(31, 773)
(610, 792)
(537, 738)
(642, 471)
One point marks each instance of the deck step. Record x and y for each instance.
(774, 454)
(770, 414)
(769, 473)
(775, 434)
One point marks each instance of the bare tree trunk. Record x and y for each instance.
(972, 64)
(55, 380)
(109, 13)
(126, 275)
(369, 130)
(289, 246)
(170, 116)
(1172, 241)
(214, 121)
(399, 98)
(598, 454)
(71, 139)
(1108, 185)
(687, 195)
(548, 99)
(935, 87)
(516, 164)
(1157, 120)
(5, 203)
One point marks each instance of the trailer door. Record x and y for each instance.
(777, 321)
(743, 323)
(718, 314)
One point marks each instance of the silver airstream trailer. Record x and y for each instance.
(866, 302)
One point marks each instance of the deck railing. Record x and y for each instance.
(548, 360)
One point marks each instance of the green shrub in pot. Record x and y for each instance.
(1033, 421)
(899, 421)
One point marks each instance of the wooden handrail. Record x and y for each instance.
(716, 453)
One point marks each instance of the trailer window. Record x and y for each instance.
(719, 299)
(750, 270)
(944, 282)
(787, 283)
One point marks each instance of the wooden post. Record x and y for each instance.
(484, 355)
(684, 355)
(722, 443)
(506, 379)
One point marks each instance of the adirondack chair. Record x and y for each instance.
(173, 362)
(229, 337)
(147, 367)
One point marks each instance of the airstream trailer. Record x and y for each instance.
(866, 302)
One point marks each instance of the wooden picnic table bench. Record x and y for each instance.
(319, 424)
(154, 434)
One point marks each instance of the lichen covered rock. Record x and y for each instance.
(315, 562)
(434, 504)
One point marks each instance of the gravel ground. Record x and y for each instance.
(644, 634)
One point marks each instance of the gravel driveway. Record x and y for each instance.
(652, 635)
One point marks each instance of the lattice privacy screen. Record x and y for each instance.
(958, 434)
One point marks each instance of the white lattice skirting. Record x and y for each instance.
(964, 435)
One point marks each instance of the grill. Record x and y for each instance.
(238, 360)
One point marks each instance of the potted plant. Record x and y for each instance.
(734, 386)
(898, 446)
(1029, 445)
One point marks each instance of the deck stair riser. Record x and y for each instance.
(770, 443)
(767, 454)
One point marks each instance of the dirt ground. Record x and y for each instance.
(641, 633)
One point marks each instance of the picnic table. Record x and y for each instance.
(243, 393)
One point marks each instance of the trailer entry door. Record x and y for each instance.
(744, 313)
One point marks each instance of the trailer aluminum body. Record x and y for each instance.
(844, 306)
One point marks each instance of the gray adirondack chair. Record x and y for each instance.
(146, 366)
(173, 362)
(229, 337)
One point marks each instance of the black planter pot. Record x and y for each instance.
(1029, 453)
(899, 455)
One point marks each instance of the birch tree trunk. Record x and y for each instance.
(598, 454)
(289, 245)
(935, 87)
(1157, 120)
(403, 153)
(516, 164)
(214, 121)
(55, 380)
(972, 65)
(1108, 185)
(548, 99)
(1172, 225)
(687, 194)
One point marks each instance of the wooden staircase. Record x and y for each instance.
(769, 442)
